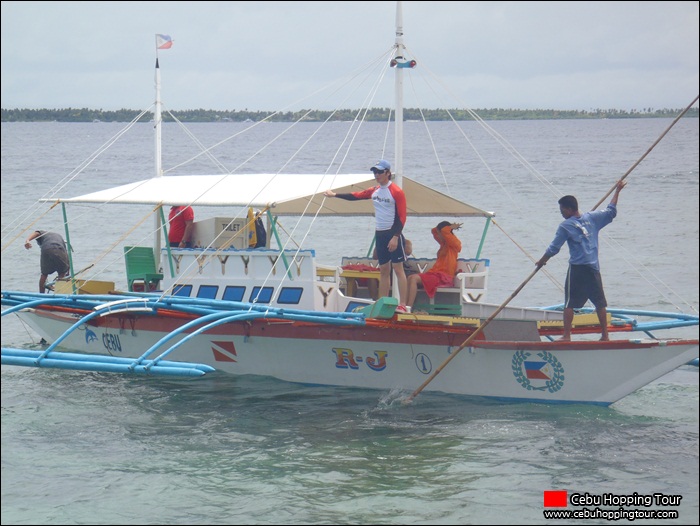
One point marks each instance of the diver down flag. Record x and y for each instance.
(224, 351)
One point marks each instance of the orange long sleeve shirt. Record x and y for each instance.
(450, 247)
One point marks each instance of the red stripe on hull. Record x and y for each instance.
(390, 331)
(575, 345)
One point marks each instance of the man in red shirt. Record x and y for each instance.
(181, 220)
(390, 215)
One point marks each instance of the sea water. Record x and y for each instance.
(91, 448)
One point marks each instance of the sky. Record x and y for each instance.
(264, 55)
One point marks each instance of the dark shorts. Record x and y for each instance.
(383, 255)
(583, 283)
(54, 260)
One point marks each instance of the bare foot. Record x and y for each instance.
(564, 339)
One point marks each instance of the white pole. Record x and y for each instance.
(398, 114)
(159, 167)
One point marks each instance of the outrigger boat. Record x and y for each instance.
(277, 311)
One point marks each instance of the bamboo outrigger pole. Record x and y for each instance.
(648, 151)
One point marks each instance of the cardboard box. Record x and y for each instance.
(219, 232)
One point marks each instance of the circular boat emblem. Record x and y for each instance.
(423, 363)
(544, 373)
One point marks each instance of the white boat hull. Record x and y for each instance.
(384, 356)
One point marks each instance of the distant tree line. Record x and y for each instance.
(374, 114)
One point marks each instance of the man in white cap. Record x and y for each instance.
(390, 215)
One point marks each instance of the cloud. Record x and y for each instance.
(263, 55)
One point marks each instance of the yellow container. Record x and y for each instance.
(63, 286)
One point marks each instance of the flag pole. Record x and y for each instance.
(162, 42)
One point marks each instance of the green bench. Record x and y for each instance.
(141, 269)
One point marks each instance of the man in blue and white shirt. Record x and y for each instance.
(583, 281)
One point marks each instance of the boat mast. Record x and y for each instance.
(157, 119)
(398, 86)
(399, 62)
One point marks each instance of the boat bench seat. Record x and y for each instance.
(470, 281)
(469, 285)
(141, 269)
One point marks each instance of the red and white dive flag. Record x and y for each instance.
(164, 42)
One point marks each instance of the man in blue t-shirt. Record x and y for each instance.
(583, 281)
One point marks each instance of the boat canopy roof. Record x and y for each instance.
(286, 194)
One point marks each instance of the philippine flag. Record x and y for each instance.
(536, 371)
(164, 42)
